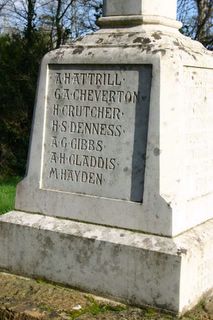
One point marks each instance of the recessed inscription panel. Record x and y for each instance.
(96, 130)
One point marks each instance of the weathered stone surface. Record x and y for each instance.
(176, 197)
(96, 130)
(134, 267)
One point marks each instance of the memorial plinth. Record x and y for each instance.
(118, 194)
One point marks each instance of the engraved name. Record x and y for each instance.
(90, 117)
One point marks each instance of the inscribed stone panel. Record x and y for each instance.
(96, 130)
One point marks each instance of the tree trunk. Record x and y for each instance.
(205, 10)
(30, 21)
(58, 24)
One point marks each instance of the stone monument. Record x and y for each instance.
(118, 195)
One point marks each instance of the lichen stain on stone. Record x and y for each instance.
(116, 35)
(162, 51)
(142, 40)
(188, 51)
(148, 48)
(49, 244)
(85, 252)
(181, 251)
(78, 50)
(176, 43)
(116, 250)
(156, 35)
(182, 48)
(138, 39)
(131, 35)
(59, 54)
(100, 40)
(157, 152)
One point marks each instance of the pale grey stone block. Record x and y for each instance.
(129, 266)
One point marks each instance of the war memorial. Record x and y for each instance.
(118, 194)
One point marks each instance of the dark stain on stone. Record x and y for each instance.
(149, 47)
(49, 244)
(157, 152)
(181, 251)
(116, 250)
(156, 35)
(176, 43)
(116, 35)
(78, 50)
(138, 39)
(59, 54)
(162, 51)
(142, 40)
(146, 41)
(131, 35)
(182, 48)
(100, 40)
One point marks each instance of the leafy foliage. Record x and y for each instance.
(18, 76)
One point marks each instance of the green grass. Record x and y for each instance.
(95, 308)
(7, 193)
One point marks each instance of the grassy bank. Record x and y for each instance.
(28, 299)
(7, 193)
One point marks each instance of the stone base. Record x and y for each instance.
(133, 267)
